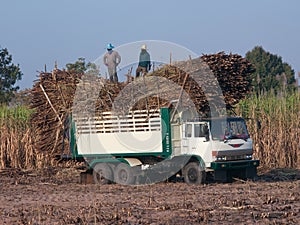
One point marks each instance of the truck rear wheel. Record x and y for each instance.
(102, 173)
(123, 174)
(192, 173)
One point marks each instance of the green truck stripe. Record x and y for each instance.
(73, 144)
(166, 132)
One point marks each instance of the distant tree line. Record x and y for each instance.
(9, 75)
(272, 74)
(80, 66)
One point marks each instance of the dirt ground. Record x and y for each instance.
(55, 196)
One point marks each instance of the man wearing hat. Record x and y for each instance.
(112, 59)
(144, 62)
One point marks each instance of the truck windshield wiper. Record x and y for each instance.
(231, 137)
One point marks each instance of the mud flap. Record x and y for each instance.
(221, 175)
(86, 178)
(251, 173)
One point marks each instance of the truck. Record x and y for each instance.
(150, 146)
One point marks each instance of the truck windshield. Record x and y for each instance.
(229, 129)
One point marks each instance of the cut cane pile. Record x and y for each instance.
(217, 80)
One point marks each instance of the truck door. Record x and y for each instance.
(187, 135)
(196, 139)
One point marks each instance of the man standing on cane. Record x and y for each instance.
(144, 62)
(112, 59)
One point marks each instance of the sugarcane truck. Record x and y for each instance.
(149, 146)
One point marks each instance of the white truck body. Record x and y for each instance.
(112, 134)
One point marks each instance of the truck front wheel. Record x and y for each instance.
(192, 173)
(102, 173)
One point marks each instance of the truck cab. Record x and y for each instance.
(222, 143)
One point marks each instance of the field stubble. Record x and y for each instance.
(54, 196)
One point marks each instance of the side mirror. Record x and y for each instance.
(207, 137)
(206, 133)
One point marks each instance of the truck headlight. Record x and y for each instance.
(248, 156)
(221, 158)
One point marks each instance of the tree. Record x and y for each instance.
(80, 66)
(9, 74)
(271, 72)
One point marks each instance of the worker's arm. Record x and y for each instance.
(118, 58)
(148, 62)
(105, 60)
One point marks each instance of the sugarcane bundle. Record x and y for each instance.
(216, 80)
(51, 101)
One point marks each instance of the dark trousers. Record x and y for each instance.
(113, 78)
(139, 70)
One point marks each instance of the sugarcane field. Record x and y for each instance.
(61, 161)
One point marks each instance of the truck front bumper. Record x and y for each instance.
(230, 165)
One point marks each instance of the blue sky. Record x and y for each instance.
(39, 32)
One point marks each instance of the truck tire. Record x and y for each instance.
(102, 173)
(192, 173)
(123, 174)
